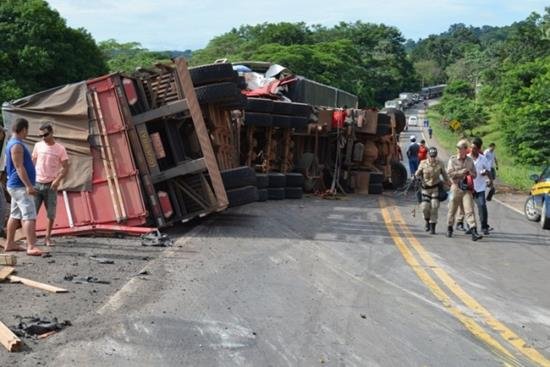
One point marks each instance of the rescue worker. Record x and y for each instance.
(430, 172)
(462, 171)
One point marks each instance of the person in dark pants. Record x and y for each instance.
(430, 131)
(412, 155)
(480, 185)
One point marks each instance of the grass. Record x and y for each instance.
(509, 173)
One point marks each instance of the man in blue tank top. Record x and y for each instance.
(21, 181)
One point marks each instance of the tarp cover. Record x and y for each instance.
(67, 108)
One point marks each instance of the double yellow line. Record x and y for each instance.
(393, 220)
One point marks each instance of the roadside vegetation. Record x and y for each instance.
(498, 77)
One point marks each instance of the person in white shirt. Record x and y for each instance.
(483, 170)
(492, 159)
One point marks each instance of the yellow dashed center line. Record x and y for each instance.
(440, 294)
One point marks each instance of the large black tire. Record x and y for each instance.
(282, 108)
(218, 93)
(263, 195)
(259, 105)
(545, 213)
(238, 103)
(242, 195)
(400, 118)
(276, 180)
(282, 121)
(376, 189)
(302, 110)
(298, 122)
(294, 192)
(383, 127)
(258, 119)
(530, 210)
(295, 180)
(399, 175)
(376, 178)
(262, 180)
(212, 73)
(238, 177)
(276, 193)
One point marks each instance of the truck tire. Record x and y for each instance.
(239, 103)
(282, 121)
(242, 195)
(399, 116)
(218, 93)
(259, 105)
(212, 73)
(294, 180)
(530, 210)
(383, 126)
(302, 110)
(262, 195)
(258, 119)
(276, 180)
(545, 214)
(262, 180)
(238, 177)
(376, 178)
(298, 122)
(399, 175)
(294, 192)
(376, 189)
(282, 108)
(276, 193)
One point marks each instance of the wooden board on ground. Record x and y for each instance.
(5, 271)
(8, 259)
(8, 339)
(35, 284)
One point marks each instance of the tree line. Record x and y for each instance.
(495, 75)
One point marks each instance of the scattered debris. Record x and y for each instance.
(8, 339)
(144, 272)
(36, 327)
(102, 260)
(155, 239)
(363, 316)
(5, 272)
(46, 254)
(89, 279)
(35, 284)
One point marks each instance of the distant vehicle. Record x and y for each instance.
(537, 205)
(406, 98)
(413, 121)
(433, 91)
(394, 103)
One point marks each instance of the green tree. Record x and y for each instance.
(126, 57)
(38, 50)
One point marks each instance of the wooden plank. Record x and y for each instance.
(35, 284)
(184, 79)
(8, 259)
(5, 271)
(9, 339)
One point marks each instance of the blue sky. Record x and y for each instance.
(190, 24)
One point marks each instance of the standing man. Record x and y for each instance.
(492, 159)
(430, 172)
(412, 155)
(20, 183)
(430, 131)
(461, 169)
(422, 151)
(480, 185)
(52, 163)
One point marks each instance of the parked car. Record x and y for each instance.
(537, 205)
(413, 121)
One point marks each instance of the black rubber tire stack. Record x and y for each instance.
(276, 188)
(240, 185)
(294, 188)
(262, 181)
(218, 84)
(376, 183)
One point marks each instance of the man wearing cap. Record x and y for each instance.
(52, 163)
(461, 169)
(430, 171)
(412, 155)
(483, 170)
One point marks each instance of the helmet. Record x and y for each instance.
(413, 138)
(432, 152)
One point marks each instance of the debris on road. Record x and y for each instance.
(156, 239)
(6, 273)
(36, 327)
(102, 260)
(8, 259)
(89, 279)
(8, 339)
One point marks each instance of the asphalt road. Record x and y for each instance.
(353, 282)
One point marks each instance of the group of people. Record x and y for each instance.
(469, 174)
(32, 180)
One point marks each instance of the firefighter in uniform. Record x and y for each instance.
(461, 166)
(430, 172)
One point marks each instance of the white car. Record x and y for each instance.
(413, 121)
